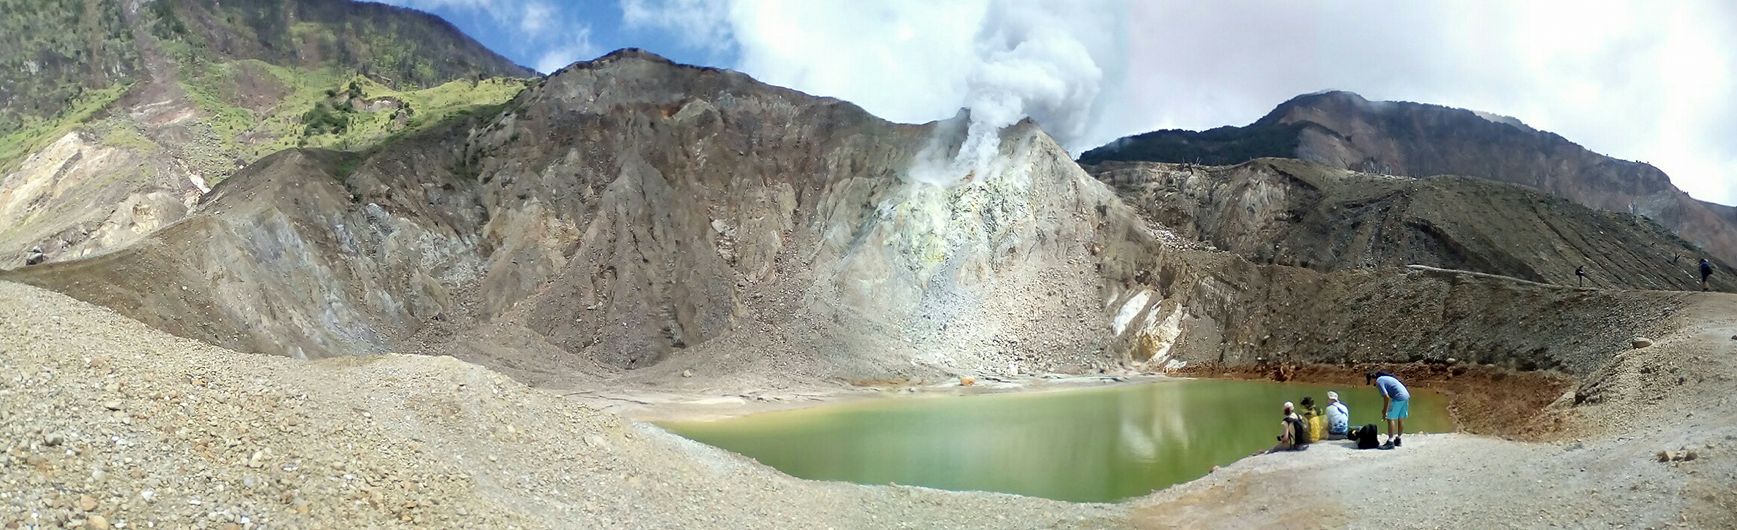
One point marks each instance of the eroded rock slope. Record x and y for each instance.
(1344, 130)
(633, 216)
(1310, 215)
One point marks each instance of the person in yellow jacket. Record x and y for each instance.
(1313, 418)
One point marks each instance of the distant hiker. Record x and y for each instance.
(1396, 404)
(36, 256)
(1313, 419)
(1706, 272)
(1338, 418)
(1580, 272)
(1290, 427)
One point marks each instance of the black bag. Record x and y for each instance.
(1365, 437)
(1299, 431)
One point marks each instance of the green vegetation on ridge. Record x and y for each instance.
(324, 107)
(34, 134)
(251, 69)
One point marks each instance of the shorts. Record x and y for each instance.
(1399, 409)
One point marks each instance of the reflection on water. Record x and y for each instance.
(1098, 444)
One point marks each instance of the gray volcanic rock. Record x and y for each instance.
(1344, 130)
(625, 209)
(1311, 215)
(635, 219)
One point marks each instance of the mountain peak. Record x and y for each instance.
(1345, 130)
(1299, 108)
(629, 56)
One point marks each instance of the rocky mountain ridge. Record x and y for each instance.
(1344, 130)
(1291, 212)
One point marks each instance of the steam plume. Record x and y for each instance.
(920, 60)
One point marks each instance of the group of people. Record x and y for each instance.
(1307, 424)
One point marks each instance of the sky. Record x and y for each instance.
(1649, 81)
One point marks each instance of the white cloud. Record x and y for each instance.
(1645, 81)
(697, 23)
(534, 17)
(578, 46)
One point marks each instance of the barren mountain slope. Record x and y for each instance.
(634, 215)
(115, 116)
(1299, 213)
(1343, 130)
(623, 210)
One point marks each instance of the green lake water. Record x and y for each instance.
(1088, 445)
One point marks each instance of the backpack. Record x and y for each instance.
(1299, 431)
(1366, 437)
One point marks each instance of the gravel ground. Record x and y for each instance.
(1651, 445)
(1445, 480)
(107, 423)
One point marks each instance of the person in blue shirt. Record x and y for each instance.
(1395, 404)
(1338, 418)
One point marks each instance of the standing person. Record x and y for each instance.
(1580, 272)
(1706, 272)
(1395, 406)
(1338, 418)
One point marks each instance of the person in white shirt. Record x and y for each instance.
(1338, 417)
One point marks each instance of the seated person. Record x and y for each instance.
(1313, 419)
(1338, 418)
(1289, 428)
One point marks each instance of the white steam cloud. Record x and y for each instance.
(919, 60)
(1027, 67)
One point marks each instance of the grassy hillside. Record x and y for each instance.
(401, 47)
(317, 107)
(34, 133)
(254, 72)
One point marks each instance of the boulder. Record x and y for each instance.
(1641, 342)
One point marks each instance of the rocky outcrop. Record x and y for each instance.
(1343, 130)
(80, 196)
(1309, 215)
